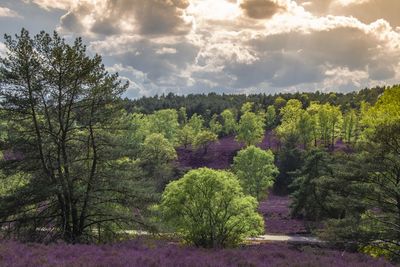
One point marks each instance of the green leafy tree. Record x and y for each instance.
(350, 127)
(310, 194)
(256, 170)
(209, 209)
(250, 129)
(203, 139)
(247, 107)
(63, 105)
(186, 136)
(229, 125)
(270, 117)
(290, 159)
(305, 127)
(290, 114)
(156, 157)
(215, 125)
(182, 116)
(279, 103)
(196, 122)
(165, 122)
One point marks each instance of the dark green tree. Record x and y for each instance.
(64, 113)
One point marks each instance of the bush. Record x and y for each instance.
(209, 209)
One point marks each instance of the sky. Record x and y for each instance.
(227, 46)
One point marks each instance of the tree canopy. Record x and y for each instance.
(209, 209)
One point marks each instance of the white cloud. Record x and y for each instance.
(6, 12)
(239, 46)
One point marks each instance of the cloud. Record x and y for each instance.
(233, 46)
(6, 12)
(110, 17)
(54, 4)
(261, 9)
(366, 11)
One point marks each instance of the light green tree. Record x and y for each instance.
(209, 209)
(186, 136)
(350, 127)
(256, 170)
(203, 139)
(165, 122)
(156, 158)
(290, 115)
(270, 117)
(250, 129)
(215, 125)
(196, 122)
(305, 128)
(247, 107)
(182, 116)
(229, 124)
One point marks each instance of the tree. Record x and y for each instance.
(279, 103)
(63, 105)
(186, 136)
(196, 122)
(250, 129)
(182, 116)
(204, 139)
(270, 117)
(215, 125)
(229, 124)
(310, 197)
(209, 209)
(290, 114)
(156, 157)
(165, 122)
(350, 127)
(247, 107)
(290, 159)
(305, 127)
(256, 170)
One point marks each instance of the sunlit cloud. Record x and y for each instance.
(190, 46)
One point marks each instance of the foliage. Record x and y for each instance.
(256, 170)
(350, 130)
(229, 122)
(186, 136)
(250, 129)
(203, 140)
(290, 159)
(63, 106)
(310, 195)
(164, 122)
(270, 117)
(209, 209)
(215, 125)
(156, 158)
(196, 122)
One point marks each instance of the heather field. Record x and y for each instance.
(158, 253)
(220, 153)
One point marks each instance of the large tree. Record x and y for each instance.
(209, 209)
(63, 116)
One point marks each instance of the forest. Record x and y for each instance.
(90, 178)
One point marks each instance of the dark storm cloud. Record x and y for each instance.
(260, 9)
